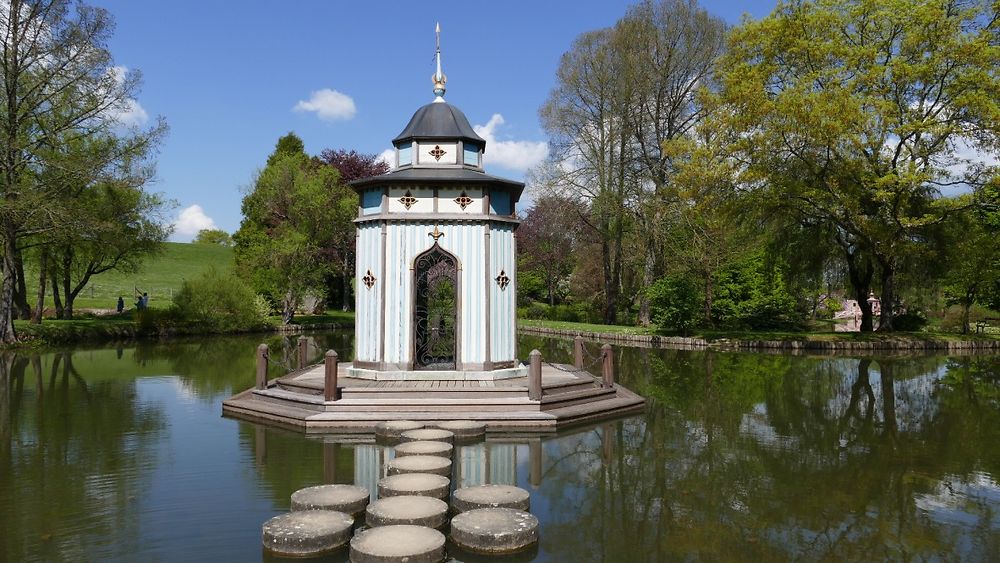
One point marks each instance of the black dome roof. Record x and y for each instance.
(439, 120)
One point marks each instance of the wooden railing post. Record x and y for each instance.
(330, 376)
(535, 375)
(578, 352)
(608, 371)
(303, 351)
(262, 366)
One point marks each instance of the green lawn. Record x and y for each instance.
(161, 276)
(586, 327)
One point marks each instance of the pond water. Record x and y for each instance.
(120, 453)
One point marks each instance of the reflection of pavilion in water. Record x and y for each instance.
(484, 463)
(359, 461)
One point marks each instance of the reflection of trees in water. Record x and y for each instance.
(210, 367)
(744, 456)
(74, 446)
(285, 461)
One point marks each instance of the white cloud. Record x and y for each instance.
(515, 155)
(329, 105)
(128, 112)
(388, 156)
(191, 220)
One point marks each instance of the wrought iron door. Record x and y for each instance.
(435, 313)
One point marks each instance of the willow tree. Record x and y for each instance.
(57, 82)
(856, 113)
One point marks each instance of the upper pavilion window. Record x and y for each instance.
(471, 154)
(405, 154)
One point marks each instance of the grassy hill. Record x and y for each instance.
(160, 275)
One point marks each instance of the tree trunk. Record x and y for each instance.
(860, 273)
(345, 285)
(56, 298)
(288, 307)
(43, 264)
(21, 289)
(7, 334)
(709, 296)
(647, 282)
(888, 298)
(610, 298)
(67, 312)
(970, 298)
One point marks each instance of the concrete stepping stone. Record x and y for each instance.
(344, 498)
(420, 484)
(464, 430)
(490, 496)
(431, 434)
(307, 533)
(424, 447)
(413, 510)
(390, 430)
(494, 530)
(419, 464)
(398, 544)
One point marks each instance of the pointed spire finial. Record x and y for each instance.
(439, 78)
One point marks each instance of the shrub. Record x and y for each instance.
(752, 294)
(910, 321)
(221, 303)
(537, 311)
(675, 303)
(829, 308)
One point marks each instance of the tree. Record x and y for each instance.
(621, 94)
(668, 50)
(214, 236)
(591, 149)
(118, 228)
(351, 165)
(972, 268)
(855, 113)
(546, 238)
(283, 242)
(105, 220)
(57, 82)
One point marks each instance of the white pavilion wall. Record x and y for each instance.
(368, 301)
(503, 302)
(404, 242)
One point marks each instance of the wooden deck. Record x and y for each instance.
(569, 396)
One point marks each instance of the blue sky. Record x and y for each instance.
(232, 77)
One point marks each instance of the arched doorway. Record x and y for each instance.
(435, 311)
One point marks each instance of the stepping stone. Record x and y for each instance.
(390, 430)
(420, 484)
(494, 530)
(419, 464)
(432, 434)
(490, 496)
(424, 447)
(307, 533)
(464, 430)
(398, 544)
(413, 510)
(345, 498)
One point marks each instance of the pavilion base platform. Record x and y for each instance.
(569, 397)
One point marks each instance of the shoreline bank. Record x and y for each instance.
(895, 342)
